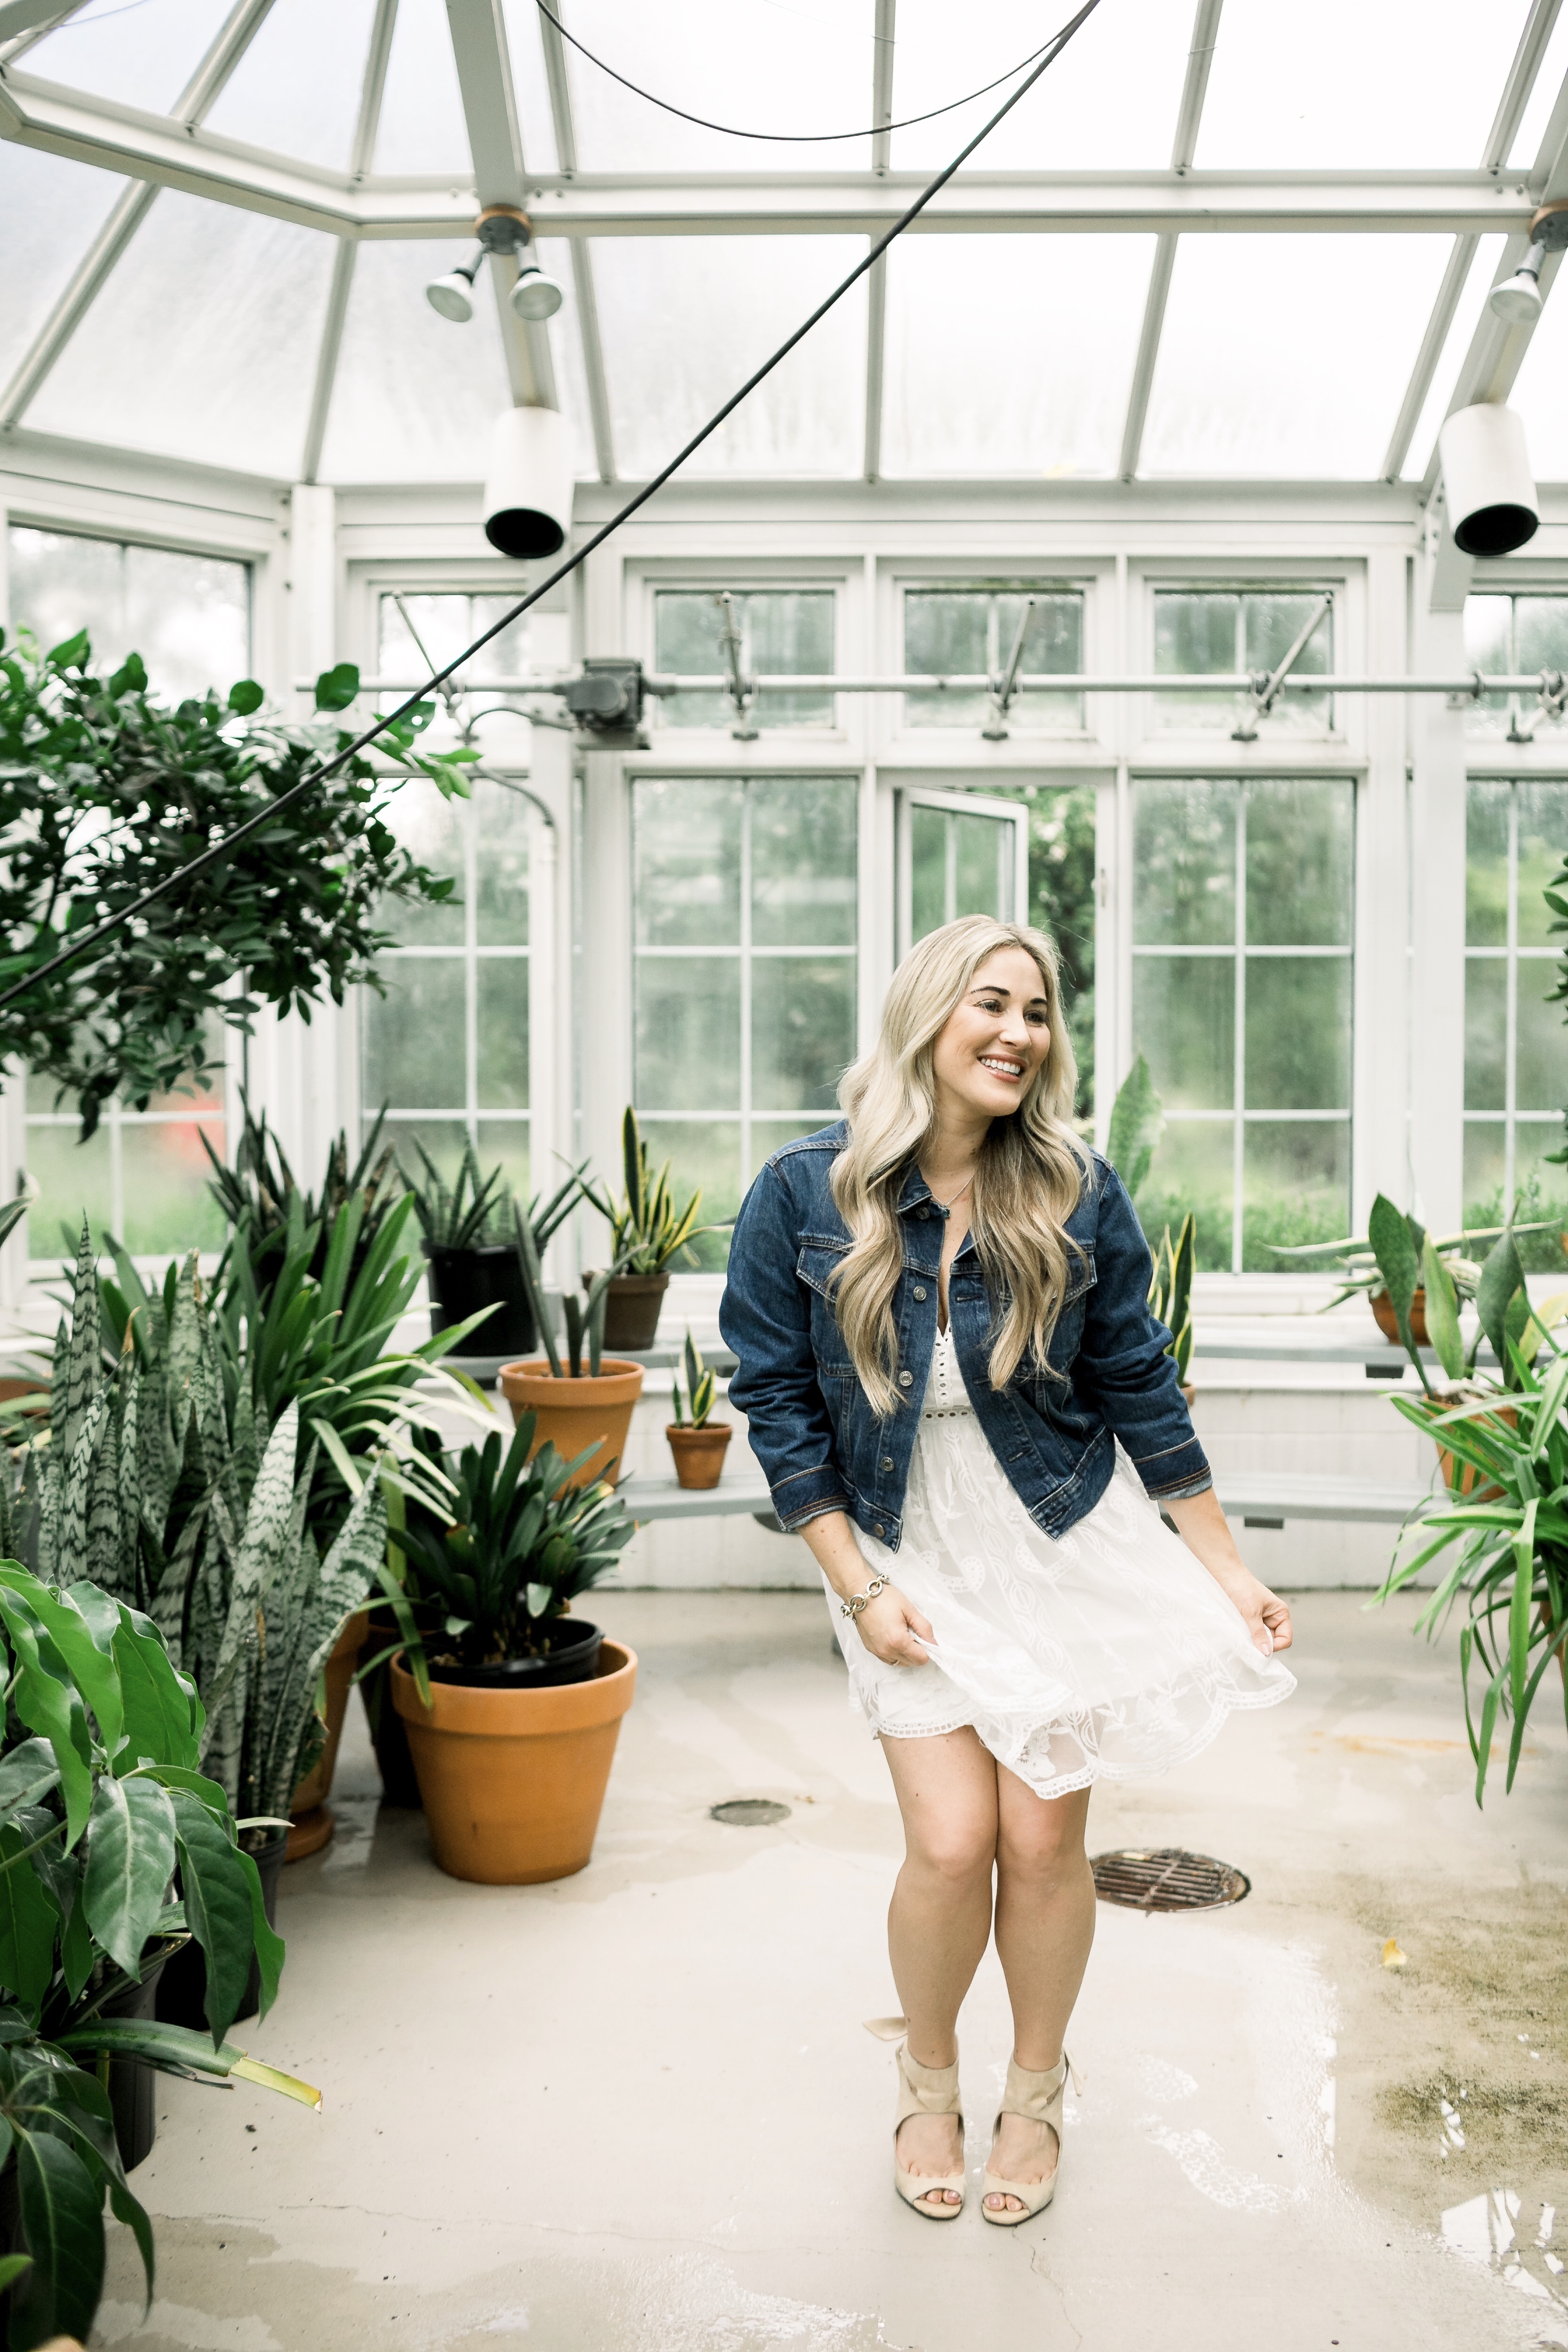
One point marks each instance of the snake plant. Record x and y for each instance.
(647, 1229)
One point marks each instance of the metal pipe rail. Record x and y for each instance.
(1471, 688)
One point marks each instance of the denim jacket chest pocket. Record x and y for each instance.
(817, 1263)
(1067, 1331)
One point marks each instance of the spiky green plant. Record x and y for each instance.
(700, 1387)
(1171, 1291)
(647, 1229)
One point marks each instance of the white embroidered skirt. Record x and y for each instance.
(1103, 1654)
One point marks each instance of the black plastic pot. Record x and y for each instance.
(464, 1282)
(388, 1733)
(182, 1987)
(133, 2086)
(573, 1657)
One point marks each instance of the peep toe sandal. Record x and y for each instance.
(1039, 2097)
(922, 2091)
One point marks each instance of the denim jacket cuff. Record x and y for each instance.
(808, 1495)
(1184, 1493)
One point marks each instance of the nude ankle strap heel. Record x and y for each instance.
(922, 2091)
(1039, 2097)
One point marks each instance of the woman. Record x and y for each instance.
(962, 1403)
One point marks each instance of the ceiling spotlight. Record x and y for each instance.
(536, 296)
(1517, 301)
(453, 296)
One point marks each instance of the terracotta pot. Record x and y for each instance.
(308, 1808)
(573, 1414)
(698, 1453)
(632, 1304)
(513, 1781)
(1388, 1322)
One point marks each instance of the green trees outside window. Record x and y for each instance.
(1515, 836)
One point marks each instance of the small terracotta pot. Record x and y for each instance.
(698, 1453)
(1388, 1322)
(308, 1808)
(513, 1781)
(632, 1306)
(573, 1414)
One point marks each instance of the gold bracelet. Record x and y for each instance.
(857, 1601)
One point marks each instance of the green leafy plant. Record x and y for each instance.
(518, 1547)
(101, 1797)
(476, 1211)
(259, 1191)
(1171, 1291)
(1507, 1539)
(1137, 1123)
(1360, 1273)
(700, 1388)
(105, 791)
(647, 1229)
(585, 1318)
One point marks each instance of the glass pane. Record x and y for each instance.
(1272, 619)
(1197, 631)
(442, 1139)
(74, 1180)
(502, 1013)
(1062, 869)
(187, 616)
(1184, 1015)
(770, 1135)
(208, 332)
(1541, 1192)
(1312, 386)
(957, 633)
(1049, 330)
(414, 397)
(688, 1033)
(1276, 102)
(1184, 863)
(1543, 846)
(421, 127)
(930, 903)
(445, 624)
(1300, 862)
(1485, 866)
(804, 858)
(500, 865)
(1296, 1188)
(1297, 1033)
(783, 631)
(503, 1143)
(432, 829)
(803, 1030)
(686, 834)
(1486, 1031)
(704, 1154)
(1193, 1170)
(1485, 1167)
(269, 102)
(1540, 1069)
(1489, 648)
(165, 1175)
(686, 319)
(1115, 110)
(983, 867)
(146, 64)
(52, 210)
(414, 1054)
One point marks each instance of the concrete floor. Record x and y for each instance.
(636, 2111)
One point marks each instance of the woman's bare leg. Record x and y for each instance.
(939, 1919)
(1045, 1926)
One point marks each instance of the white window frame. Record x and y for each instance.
(1011, 813)
(1511, 955)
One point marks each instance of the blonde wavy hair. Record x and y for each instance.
(1028, 1181)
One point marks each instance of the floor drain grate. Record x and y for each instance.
(1164, 1878)
(749, 1813)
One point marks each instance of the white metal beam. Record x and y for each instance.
(882, 54)
(240, 28)
(1189, 115)
(876, 365)
(582, 255)
(494, 141)
(360, 160)
(32, 26)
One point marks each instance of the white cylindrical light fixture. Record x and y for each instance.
(1487, 480)
(527, 489)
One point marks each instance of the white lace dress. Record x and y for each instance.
(1102, 1653)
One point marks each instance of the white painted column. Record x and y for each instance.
(1382, 1147)
(1437, 927)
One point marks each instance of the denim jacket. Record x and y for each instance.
(813, 1428)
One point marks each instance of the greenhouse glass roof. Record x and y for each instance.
(1244, 245)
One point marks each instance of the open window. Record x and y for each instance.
(959, 854)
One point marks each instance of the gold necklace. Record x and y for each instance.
(957, 1196)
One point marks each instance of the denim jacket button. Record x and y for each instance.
(878, 1532)
(906, 1380)
(887, 1462)
(919, 1291)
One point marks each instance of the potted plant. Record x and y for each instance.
(1360, 1272)
(1171, 1296)
(648, 1230)
(512, 1706)
(102, 1799)
(474, 1272)
(1505, 1540)
(584, 1414)
(696, 1441)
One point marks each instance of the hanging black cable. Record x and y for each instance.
(222, 849)
(791, 138)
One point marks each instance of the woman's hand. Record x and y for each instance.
(1265, 1615)
(893, 1629)
(1200, 1524)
